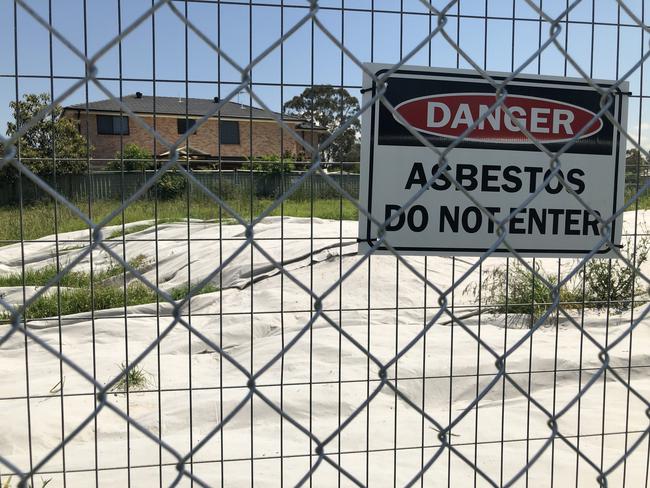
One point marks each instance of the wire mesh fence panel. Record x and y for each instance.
(164, 323)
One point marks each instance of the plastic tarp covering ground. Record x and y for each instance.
(323, 378)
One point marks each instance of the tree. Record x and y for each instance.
(635, 166)
(328, 107)
(53, 137)
(134, 158)
(354, 154)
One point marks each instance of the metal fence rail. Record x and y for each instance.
(247, 390)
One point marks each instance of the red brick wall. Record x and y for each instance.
(266, 137)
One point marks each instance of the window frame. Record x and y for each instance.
(189, 123)
(226, 123)
(101, 130)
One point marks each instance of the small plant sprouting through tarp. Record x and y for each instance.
(601, 283)
(138, 379)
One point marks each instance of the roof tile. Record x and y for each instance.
(193, 107)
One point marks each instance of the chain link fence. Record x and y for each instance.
(290, 384)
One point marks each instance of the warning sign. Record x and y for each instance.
(496, 163)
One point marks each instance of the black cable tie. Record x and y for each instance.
(621, 92)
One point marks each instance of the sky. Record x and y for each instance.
(163, 52)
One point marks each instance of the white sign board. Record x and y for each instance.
(496, 163)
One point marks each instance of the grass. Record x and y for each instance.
(38, 219)
(131, 230)
(39, 277)
(103, 297)
(136, 379)
(77, 300)
(77, 297)
(182, 291)
(73, 279)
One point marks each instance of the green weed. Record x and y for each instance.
(612, 282)
(602, 283)
(135, 379)
(518, 291)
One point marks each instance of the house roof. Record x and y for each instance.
(193, 107)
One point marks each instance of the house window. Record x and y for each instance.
(184, 125)
(229, 132)
(113, 125)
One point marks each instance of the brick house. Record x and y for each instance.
(226, 137)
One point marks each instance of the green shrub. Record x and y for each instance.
(171, 185)
(225, 189)
(271, 163)
(606, 282)
(612, 282)
(526, 293)
(132, 158)
(352, 168)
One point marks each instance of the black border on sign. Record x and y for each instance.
(370, 241)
